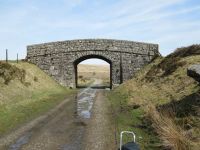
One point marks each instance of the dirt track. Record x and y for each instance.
(61, 131)
(67, 131)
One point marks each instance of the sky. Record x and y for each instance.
(169, 23)
(95, 61)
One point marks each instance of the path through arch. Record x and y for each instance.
(93, 68)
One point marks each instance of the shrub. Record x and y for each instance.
(9, 72)
(27, 84)
(80, 76)
(35, 79)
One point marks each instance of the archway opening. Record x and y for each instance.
(93, 71)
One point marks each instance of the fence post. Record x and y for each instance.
(17, 57)
(6, 55)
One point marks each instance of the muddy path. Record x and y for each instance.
(82, 124)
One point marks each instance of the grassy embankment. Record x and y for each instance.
(161, 104)
(25, 93)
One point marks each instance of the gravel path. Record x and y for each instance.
(100, 132)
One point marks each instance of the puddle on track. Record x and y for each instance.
(85, 100)
(21, 141)
(84, 103)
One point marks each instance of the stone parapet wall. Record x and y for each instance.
(93, 44)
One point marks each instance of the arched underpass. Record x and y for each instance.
(93, 72)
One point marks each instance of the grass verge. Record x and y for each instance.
(131, 118)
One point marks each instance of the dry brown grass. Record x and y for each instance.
(172, 62)
(186, 51)
(172, 136)
(93, 68)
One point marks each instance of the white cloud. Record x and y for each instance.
(160, 21)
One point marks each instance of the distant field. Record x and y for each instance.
(86, 74)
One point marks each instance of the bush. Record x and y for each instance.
(80, 76)
(35, 79)
(9, 72)
(27, 84)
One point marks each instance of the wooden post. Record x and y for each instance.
(6, 55)
(17, 57)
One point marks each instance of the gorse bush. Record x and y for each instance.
(10, 72)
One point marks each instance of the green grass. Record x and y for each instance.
(20, 103)
(16, 114)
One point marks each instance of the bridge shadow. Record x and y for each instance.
(94, 87)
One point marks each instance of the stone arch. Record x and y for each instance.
(57, 58)
(85, 57)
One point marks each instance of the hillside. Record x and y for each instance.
(161, 103)
(25, 93)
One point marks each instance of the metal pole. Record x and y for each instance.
(17, 57)
(6, 55)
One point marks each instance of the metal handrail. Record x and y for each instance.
(121, 137)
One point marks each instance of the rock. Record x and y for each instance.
(194, 72)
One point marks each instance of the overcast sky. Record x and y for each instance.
(169, 23)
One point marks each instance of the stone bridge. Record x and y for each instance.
(60, 59)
